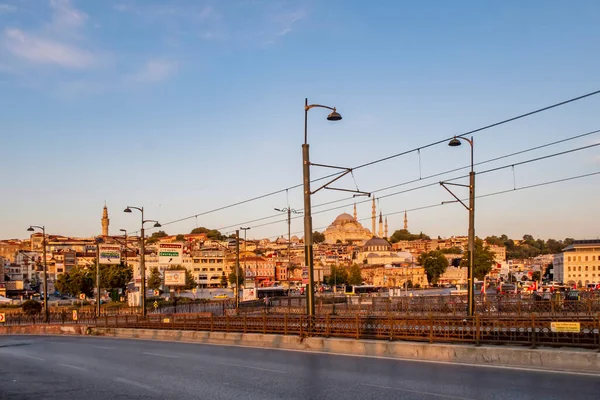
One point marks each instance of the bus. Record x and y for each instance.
(275, 291)
(357, 290)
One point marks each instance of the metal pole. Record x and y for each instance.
(97, 279)
(470, 291)
(143, 268)
(308, 235)
(46, 312)
(289, 212)
(237, 269)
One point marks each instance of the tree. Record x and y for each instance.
(199, 230)
(155, 236)
(79, 280)
(32, 307)
(451, 250)
(483, 259)
(180, 237)
(435, 264)
(240, 277)
(337, 276)
(155, 280)
(495, 241)
(404, 234)
(212, 234)
(535, 276)
(355, 277)
(524, 278)
(224, 280)
(318, 237)
(114, 276)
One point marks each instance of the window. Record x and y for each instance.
(569, 269)
(578, 258)
(569, 258)
(196, 269)
(586, 267)
(579, 268)
(586, 258)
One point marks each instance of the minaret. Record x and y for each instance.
(386, 228)
(105, 221)
(355, 215)
(380, 225)
(373, 217)
(405, 222)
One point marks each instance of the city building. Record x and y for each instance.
(379, 251)
(579, 263)
(346, 229)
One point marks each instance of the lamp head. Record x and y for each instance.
(127, 210)
(157, 225)
(334, 116)
(30, 229)
(454, 142)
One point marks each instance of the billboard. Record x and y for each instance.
(175, 277)
(109, 254)
(305, 276)
(249, 294)
(170, 253)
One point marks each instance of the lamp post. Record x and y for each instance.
(289, 212)
(142, 255)
(237, 270)
(124, 246)
(308, 234)
(471, 208)
(43, 229)
(98, 241)
(245, 249)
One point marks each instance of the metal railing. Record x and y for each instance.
(533, 330)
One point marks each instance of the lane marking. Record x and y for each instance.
(72, 366)
(418, 392)
(257, 368)
(104, 347)
(134, 383)
(160, 355)
(32, 357)
(508, 367)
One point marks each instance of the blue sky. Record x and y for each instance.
(186, 106)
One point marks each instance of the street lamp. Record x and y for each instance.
(308, 233)
(455, 142)
(142, 255)
(43, 229)
(289, 212)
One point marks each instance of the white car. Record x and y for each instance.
(4, 300)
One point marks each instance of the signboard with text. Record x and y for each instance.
(305, 275)
(170, 253)
(175, 277)
(109, 254)
(569, 327)
(249, 294)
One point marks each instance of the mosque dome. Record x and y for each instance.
(377, 244)
(343, 219)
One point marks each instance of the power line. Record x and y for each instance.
(437, 183)
(390, 157)
(579, 136)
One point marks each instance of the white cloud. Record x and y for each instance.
(155, 71)
(65, 15)
(7, 8)
(46, 51)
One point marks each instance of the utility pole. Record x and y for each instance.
(46, 296)
(289, 212)
(98, 240)
(237, 269)
(245, 249)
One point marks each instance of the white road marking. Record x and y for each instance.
(32, 357)
(134, 383)
(72, 366)
(160, 355)
(257, 368)
(104, 347)
(418, 392)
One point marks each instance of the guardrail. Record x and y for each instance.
(533, 330)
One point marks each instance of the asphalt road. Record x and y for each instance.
(101, 368)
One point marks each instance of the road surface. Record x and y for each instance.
(91, 368)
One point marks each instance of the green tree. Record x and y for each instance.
(155, 236)
(318, 237)
(114, 276)
(483, 259)
(199, 230)
(78, 280)
(494, 241)
(404, 234)
(337, 276)
(535, 276)
(435, 264)
(240, 277)
(224, 280)
(451, 250)
(524, 278)
(155, 280)
(32, 307)
(180, 237)
(355, 277)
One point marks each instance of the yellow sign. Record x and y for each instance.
(194, 290)
(2, 317)
(82, 296)
(156, 304)
(571, 327)
(75, 315)
(156, 292)
(166, 320)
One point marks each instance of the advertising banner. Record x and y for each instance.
(305, 275)
(170, 253)
(249, 294)
(175, 277)
(109, 254)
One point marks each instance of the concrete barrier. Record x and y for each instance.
(44, 329)
(571, 360)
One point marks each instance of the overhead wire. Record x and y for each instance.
(418, 149)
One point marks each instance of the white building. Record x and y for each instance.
(579, 263)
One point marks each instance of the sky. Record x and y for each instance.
(184, 107)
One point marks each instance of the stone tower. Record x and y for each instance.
(373, 217)
(355, 215)
(405, 221)
(105, 221)
(380, 225)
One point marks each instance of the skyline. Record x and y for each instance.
(188, 107)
